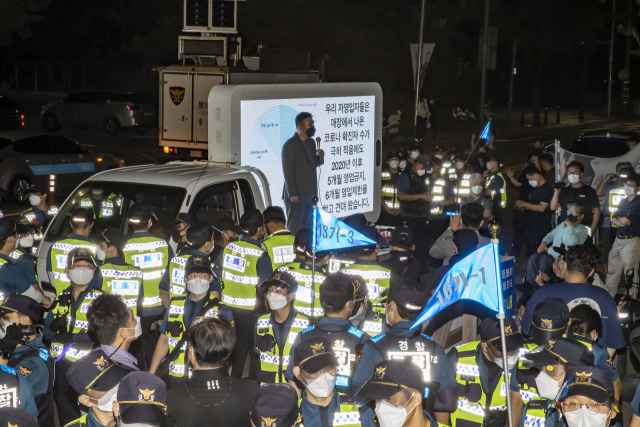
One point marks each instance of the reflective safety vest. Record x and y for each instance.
(2, 262)
(30, 216)
(389, 190)
(446, 164)
(151, 255)
(420, 348)
(463, 188)
(106, 207)
(277, 360)
(535, 412)
(80, 422)
(176, 275)
(59, 252)
(176, 327)
(304, 294)
(348, 416)
(123, 280)
(615, 197)
(77, 322)
(528, 346)
(377, 277)
(9, 387)
(240, 274)
(503, 190)
(373, 326)
(438, 195)
(280, 248)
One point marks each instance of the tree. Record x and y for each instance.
(17, 17)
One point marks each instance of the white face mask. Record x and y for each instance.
(100, 254)
(81, 276)
(322, 386)
(532, 183)
(34, 200)
(393, 164)
(489, 165)
(276, 301)
(3, 328)
(512, 361)
(459, 165)
(26, 242)
(547, 386)
(198, 285)
(392, 416)
(438, 156)
(628, 190)
(356, 318)
(421, 172)
(403, 164)
(477, 189)
(574, 179)
(138, 328)
(584, 418)
(105, 403)
(415, 154)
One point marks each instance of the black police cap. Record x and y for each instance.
(113, 237)
(8, 228)
(314, 354)
(80, 254)
(199, 233)
(402, 236)
(275, 405)
(95, 371)
(38, 188)
(563, 351)
(17, 417)
(490, 332)
(17, 303)
(280, 278)
(550, 320)
(142, 398)
(140, 212)
(251, 219)
(198, 264)
(337, 290)
(183, 218)
(587, 381)
(409, 295)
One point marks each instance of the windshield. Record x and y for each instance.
(111, 201)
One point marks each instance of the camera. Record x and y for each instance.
(559, 185)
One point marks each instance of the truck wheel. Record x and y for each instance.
(18, 189)
(112, 126)
(50, 123)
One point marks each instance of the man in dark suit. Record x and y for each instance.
(299, 162)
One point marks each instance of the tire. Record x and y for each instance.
(18, 189)
(50, 123)
(112, 126)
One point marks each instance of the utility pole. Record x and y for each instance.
(613, 24)
(418, 70)
(485, 52)
(513, 74)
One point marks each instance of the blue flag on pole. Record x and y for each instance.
(485, 132)
(331, 233)
(475, 277)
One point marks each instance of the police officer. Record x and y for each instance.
(183, 309)
(400, 260)
(279, 242)
(362, 316)
(550, 322)
(479, 372)
(225, 230)
(41, 213)
(405, 302)
(81, 222)
(70, 343)
(102, 207)
(496, 186)
(245, 264)
(337, 296)
(25, 250)
(17, 417)
(443, 201)
(460, 175)
(16, 392)
(179, 228)
(95, 380)
(27, 355)
(141, 400)
(318, 369)
(277, 403)
(389, 199)
(276, 331)
(347, 256)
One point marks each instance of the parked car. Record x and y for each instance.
(604, 143)
(11, 116)
(28, 158)
(110, 111)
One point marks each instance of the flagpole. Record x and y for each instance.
(494, 229)
(314, 199)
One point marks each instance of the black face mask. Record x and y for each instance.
(311, 131)
(175, 235)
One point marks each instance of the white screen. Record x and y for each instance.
(346, 126)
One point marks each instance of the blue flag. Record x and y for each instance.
(485, 133)
(331, 233)
(474, 278)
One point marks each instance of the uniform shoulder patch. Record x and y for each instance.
(427, 337)
(377, 338)
(309, 329)
(8, 369)
(356, 332)
(535, 404)
(25, 370)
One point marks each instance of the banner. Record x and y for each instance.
(427, 51)
(331, 233)
(485, 133)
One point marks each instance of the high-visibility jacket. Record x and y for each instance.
(30, 216)
(80, 422)
(58, 254)
(302, 273)
(151, 255)
(280, 248)
(463, 187)
(616, 195)
(503, 190)
(2, 261)
(534, 413)
(107, 206)
(372, 325)
(124, 280)
(446, 164)
(277, 360)
(240, 274)
(389, 190)
(377, 277)
(347, 416)
(77, 322)
(437, 190)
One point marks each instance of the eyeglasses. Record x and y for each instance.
(593, 407)
(573, 213)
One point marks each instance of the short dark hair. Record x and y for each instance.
(404, 314)
(585, 319)
(472, 215)
(580, 259)
(537, 154)
(581, 208)
(300, 117)
(575, 164)
(106, 315)
(366, 251)
(274, 214)
(635, 178)
(547, 158)
(625, 164)
(213, 340)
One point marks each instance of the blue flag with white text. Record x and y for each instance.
(485, 133)
(331, 233)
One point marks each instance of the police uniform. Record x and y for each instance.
(123, 279)
(280, 248)
(301, 271)
(24, 259)
(275, 403)
(496, 183)
(614, 194)
(15, 278)
(442, 189)
(462, 184)
(40, 219)
(16, 392)
(103, 208)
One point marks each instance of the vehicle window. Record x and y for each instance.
(247, 194)
(111, 201)
(94, 98)
(599, 147)
(216, 200)
(33, 145)
(62, 145)
(136, 98)
(75, 98)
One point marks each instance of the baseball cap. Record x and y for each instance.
(80, 254)
(563, 351)
(424, 160)
(198, 264)
(627, 172)
(392, 154)
(337, 290)
(81, 216)
(226, 223)
(408, 295)
(17, 303)
(183, 218)
(113, 237)
(466, 240)
(95, 371)
(490, 331)
(251, 219)
(140, 212)
(7, 227)
(390, 376)
(587, 381)
(142, 398)
(38, 188)
(274, 405)
(17, 417)
(280, 278)
(313, 354)
(550, 321)
(199, 233)
(402, 237)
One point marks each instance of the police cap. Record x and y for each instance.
(38, 188)
(17, 417)
(183, 218)
(24, 226)
(337, 290)
(424, 160)
(199, 233)
(113, 237)
(17, 303)
(490, 332)
(275, 405)
(8, 228)
(563, 351)
(140, 213)
(142, 398)
(311, 355)
(408, 295)
(81, 216)
(280, 278)
(402, 237)
(80, 254)
(95, 371)
(550, 321)
(198, 264)
(589, 382)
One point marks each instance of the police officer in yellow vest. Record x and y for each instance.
(479, 372)
(401, 395)
(443, 201)
(276, 331)
(179, 228)
(81, 221)
(245, 264)
(496, 186)
(460, 173)
(390, 202)
(41, 212)
(279, 243)
(66, 326)
(102, 207)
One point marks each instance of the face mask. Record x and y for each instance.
(3, 328)
(393, 164)
(26, 242)
(572, 218)
(321, 386)
(574, 179)
(81, 276)
(629, 190)
(415, 154)
(534, 184)
(421, 172)
(138, 328)
(105, 403)
(311, 131)
(403, 164)
(100, 254)
(392, 416)
(439, 156)
(276, 301)
(489, 165)
(34, 200)
(459, 165)
(198, 285)
(547, 386)
(477, 189)
(584, 418)
(356, 318)
(511, 361)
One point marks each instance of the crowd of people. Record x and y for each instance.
(215, 324)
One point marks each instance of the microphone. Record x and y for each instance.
(318, 142)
